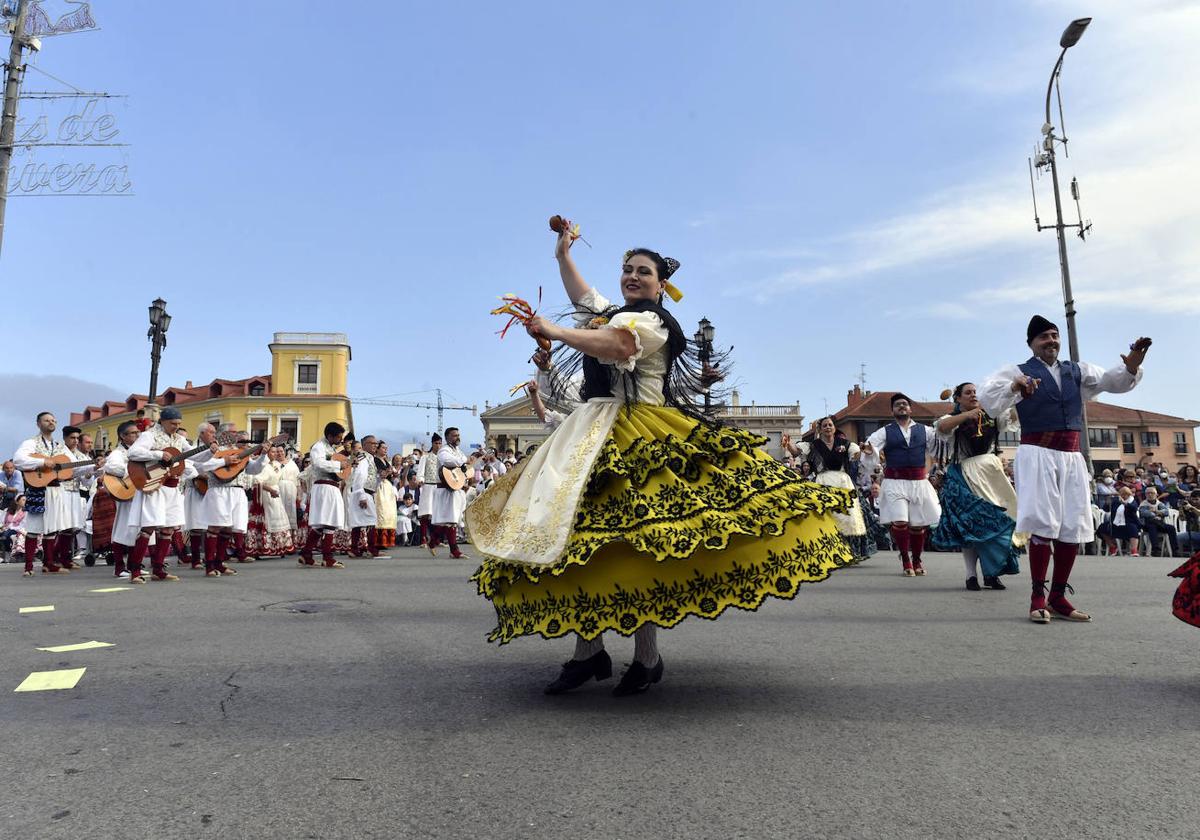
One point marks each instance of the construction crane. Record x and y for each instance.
(440, 405)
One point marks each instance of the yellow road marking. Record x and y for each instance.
(51, 680)
(111, 589)
(92, 645)
(36, 609)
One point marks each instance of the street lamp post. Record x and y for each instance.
(1047, 158)
(704, 341)
(160, 321)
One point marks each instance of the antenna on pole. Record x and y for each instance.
(1062, 122)
(1084, 229)
(862, 376)
(1033, 190)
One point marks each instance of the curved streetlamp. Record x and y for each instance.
(1070, 38)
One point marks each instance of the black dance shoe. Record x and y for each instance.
(576, 672)
(993, 582)
(973, 583)
(637, 678)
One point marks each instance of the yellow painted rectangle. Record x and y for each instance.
(92, 645)
(111, 589)
(36, 609)
(51, 680)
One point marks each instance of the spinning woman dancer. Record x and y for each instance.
(639, 510)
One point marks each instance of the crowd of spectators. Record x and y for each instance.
(1146, 509)
(1149, 506)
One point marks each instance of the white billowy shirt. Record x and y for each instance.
(23, 459)
(450, 456)
(878, 439)
(149, 447)
(997, 396)
(321, 465)
(82, 478)
(117, 462)
(289, 472)
(649, 359)
(361, 480)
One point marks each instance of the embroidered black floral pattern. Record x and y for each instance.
(745, 586)
(738, 490)
(670, 498)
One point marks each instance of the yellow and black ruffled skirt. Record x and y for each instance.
(675, 519)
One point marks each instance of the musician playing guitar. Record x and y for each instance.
(159, 509)
(326, 507)
(225, 505)
(448, 503)
(193, 498)
(46, 510)
(80, 478)
(124, 536)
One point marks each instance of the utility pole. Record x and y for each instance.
(13, 71)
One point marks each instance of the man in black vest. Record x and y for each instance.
(907, 501)
(1053, 493)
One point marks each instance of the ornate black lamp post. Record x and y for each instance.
(157, 334)
(704, 340)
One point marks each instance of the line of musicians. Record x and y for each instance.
(203, 489)
(330, 511)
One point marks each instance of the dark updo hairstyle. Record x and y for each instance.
(660, 264)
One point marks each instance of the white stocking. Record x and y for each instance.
(645, 645)
(970, 559)
(585, 649)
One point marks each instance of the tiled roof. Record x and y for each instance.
(878, 405)
(174, 396)
(1098, 412)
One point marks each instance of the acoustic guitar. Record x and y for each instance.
(456, 477)
(348, 464)
(148, 476)
(200, 485)
(121, 489)
(54, 468)
(232, 471)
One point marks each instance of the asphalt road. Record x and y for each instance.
(873, 706)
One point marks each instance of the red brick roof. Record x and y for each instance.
(174, 396)
(877, 405)
(1098, 412)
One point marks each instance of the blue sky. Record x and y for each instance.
(843, 183)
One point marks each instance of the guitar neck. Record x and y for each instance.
(183, 456)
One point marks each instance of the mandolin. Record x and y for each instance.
(232, 471)
(54, 468)
(121, 489)
(148, 476)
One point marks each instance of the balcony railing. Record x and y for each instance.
(759, 410)
(310, 338)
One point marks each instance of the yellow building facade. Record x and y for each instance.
(305, 390)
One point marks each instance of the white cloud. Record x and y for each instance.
(1133, 115)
